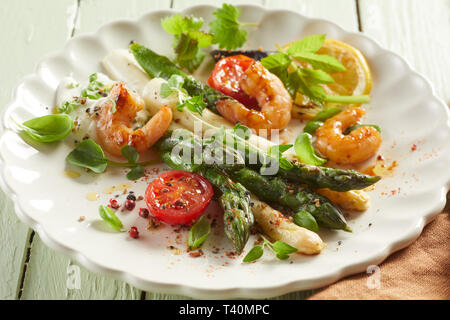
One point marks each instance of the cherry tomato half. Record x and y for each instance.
(178, 197)
(226, 75)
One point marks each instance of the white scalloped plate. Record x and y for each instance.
(403, 104)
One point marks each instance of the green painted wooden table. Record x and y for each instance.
(418, 30)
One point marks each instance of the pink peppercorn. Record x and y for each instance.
(143, 212)
(134, 233)
(130, 204)
(113, 204)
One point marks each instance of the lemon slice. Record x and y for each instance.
(355, 80)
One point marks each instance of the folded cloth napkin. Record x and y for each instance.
(420, 271)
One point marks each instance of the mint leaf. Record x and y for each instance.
(226, 27)
(198, 233)
(254, 254)
(316, 76)
(193, 64)
(320, 61)
(308, 44)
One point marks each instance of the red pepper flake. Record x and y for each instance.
(113, 204)
(153, 223)
(380, 157)
(414, 147)
(196, 254)
(133, 232)
(143, 212)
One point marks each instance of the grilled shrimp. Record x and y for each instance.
(115, 119)
(359, 145)
(274, 101)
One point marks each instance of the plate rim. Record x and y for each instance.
(201, 292)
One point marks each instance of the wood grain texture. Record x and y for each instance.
(25, 43)
(417, 30)
(48, 272)
(342, 12)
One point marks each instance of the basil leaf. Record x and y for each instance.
(135, 173)
(312, 126)
(350, 129)
(199, 232)
(282, 249)
(254, 254)
(242, 131)
(108, 215)
(305, 219)
(305, 150)
(88, 155)
(48, 128)
(130, 154)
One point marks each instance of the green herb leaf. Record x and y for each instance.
(198, 233)
(48, 128)
(305, 150)
(254, 254)
(312, 126)
(283, 250)
(192, 64)
(276, 63)
(177, 24)
(173, 85)
(194, 104)
(227, 28)
(108, 215)
(308, 44)
(277, 153)
(350, 129)
(242, 131)
(88, 155)
(187, 39)
(316, 76)
(69, 107)
(327, 114)
(320, 61)
(203, 39)
(304, 219)
(130, 154)
(135, 173)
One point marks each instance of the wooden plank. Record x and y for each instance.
(23, 47)
(51, 275)
(342, 12)
(417, 30)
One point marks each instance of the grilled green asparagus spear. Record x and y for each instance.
(160, 66)
(234, 199)
(316, 177)
(293, 196)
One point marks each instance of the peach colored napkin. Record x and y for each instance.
(420, 271)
